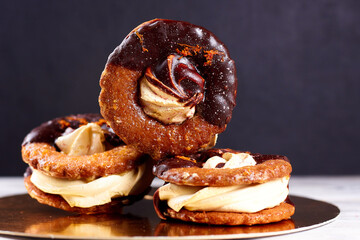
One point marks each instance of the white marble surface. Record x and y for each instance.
(341, 191)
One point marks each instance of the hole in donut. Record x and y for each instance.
(170, 91)
(87, 139)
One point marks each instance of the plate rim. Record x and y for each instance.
(6, 233)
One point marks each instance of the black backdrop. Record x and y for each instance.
(297, 61)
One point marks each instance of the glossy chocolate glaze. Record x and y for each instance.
(260, 158)
(175, 162)
(197, 160)
(48, 132)
(178, 77)
(153, 41)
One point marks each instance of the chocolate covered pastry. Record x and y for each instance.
(169, 88)
(76, 163)
(224, 187)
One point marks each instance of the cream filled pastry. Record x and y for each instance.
(224, 187)
(78, 164)
(163, 106)
(171, 103)
(168, 88)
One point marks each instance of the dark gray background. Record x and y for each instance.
(297, 61)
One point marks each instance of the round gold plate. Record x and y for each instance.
(21, 216)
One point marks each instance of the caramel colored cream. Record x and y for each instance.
(85, 140)
(247, 198)
(162, 106)
(80, 193)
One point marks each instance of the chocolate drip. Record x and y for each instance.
(155, 40)
(48, 132)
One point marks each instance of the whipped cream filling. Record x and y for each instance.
(81, 193)
(163, 106)
(247, 198)
(239, 198)
(85, 140)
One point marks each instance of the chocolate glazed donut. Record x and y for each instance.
(185, 61)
